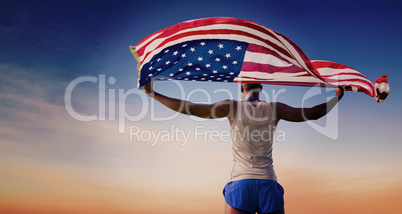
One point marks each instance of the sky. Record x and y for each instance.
(64, 62)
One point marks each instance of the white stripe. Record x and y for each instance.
(331, 71)
(284, 44)
(346, 77)
(292, 50)
(263, 58)
(140, 45)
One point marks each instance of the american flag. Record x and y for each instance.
(233, 50)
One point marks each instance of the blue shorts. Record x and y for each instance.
(254, 195)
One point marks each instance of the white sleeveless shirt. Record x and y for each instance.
(252, 134)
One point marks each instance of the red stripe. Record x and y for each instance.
(264, 30)
(345, 73)
(338, 66)
(326, 64)
(184, 25)
(267, 68)
(262, 81)
(263, 50)
(260, 49)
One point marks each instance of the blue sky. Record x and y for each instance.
(45, 45)
(87, 38)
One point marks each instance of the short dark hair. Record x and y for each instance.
(250, 86)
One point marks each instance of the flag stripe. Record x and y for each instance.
(290, 50)
(267, 68)
(341, 75)
(243, 35)
(327, 64)
(235, 50)
(200, 37)
(265, 59)
(213, 23)
(330, 71)
(156, 41)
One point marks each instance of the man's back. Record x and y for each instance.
(252, 133)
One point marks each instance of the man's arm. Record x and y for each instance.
(210, 111)
(289, 113)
